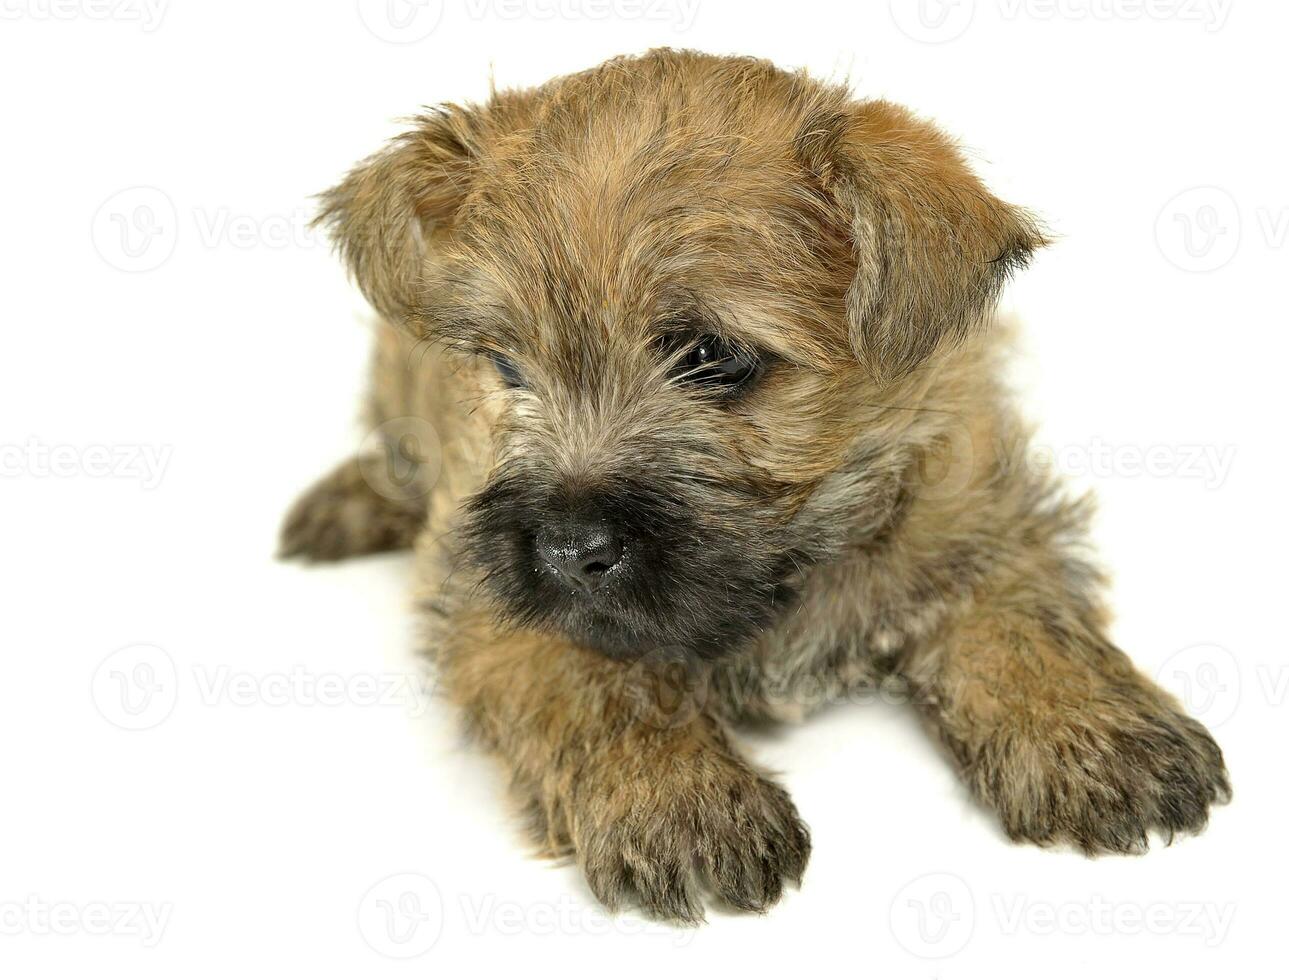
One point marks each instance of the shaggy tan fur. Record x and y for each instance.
(876, 459)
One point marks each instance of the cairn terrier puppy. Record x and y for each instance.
(693, 362)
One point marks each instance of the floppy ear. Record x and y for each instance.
(932, 246)
(386, 211)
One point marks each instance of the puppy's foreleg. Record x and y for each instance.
(346, 514)
(1055, 728)
(656, 805)
(378, 500)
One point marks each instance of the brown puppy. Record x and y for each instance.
(701, 354)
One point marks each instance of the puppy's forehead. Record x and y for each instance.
(605, 230)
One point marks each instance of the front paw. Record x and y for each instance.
(707, 825)
(1102, 775)
(345, 514)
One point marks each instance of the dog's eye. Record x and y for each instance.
(508, 371)
(715, 362)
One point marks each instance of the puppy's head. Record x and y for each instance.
(685, 287)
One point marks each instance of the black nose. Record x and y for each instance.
(580, 551)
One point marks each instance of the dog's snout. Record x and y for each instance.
(580, 552)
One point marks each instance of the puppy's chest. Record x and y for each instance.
(841, 642)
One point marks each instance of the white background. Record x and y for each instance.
(163, 397)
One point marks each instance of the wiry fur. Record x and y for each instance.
(858, 514)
